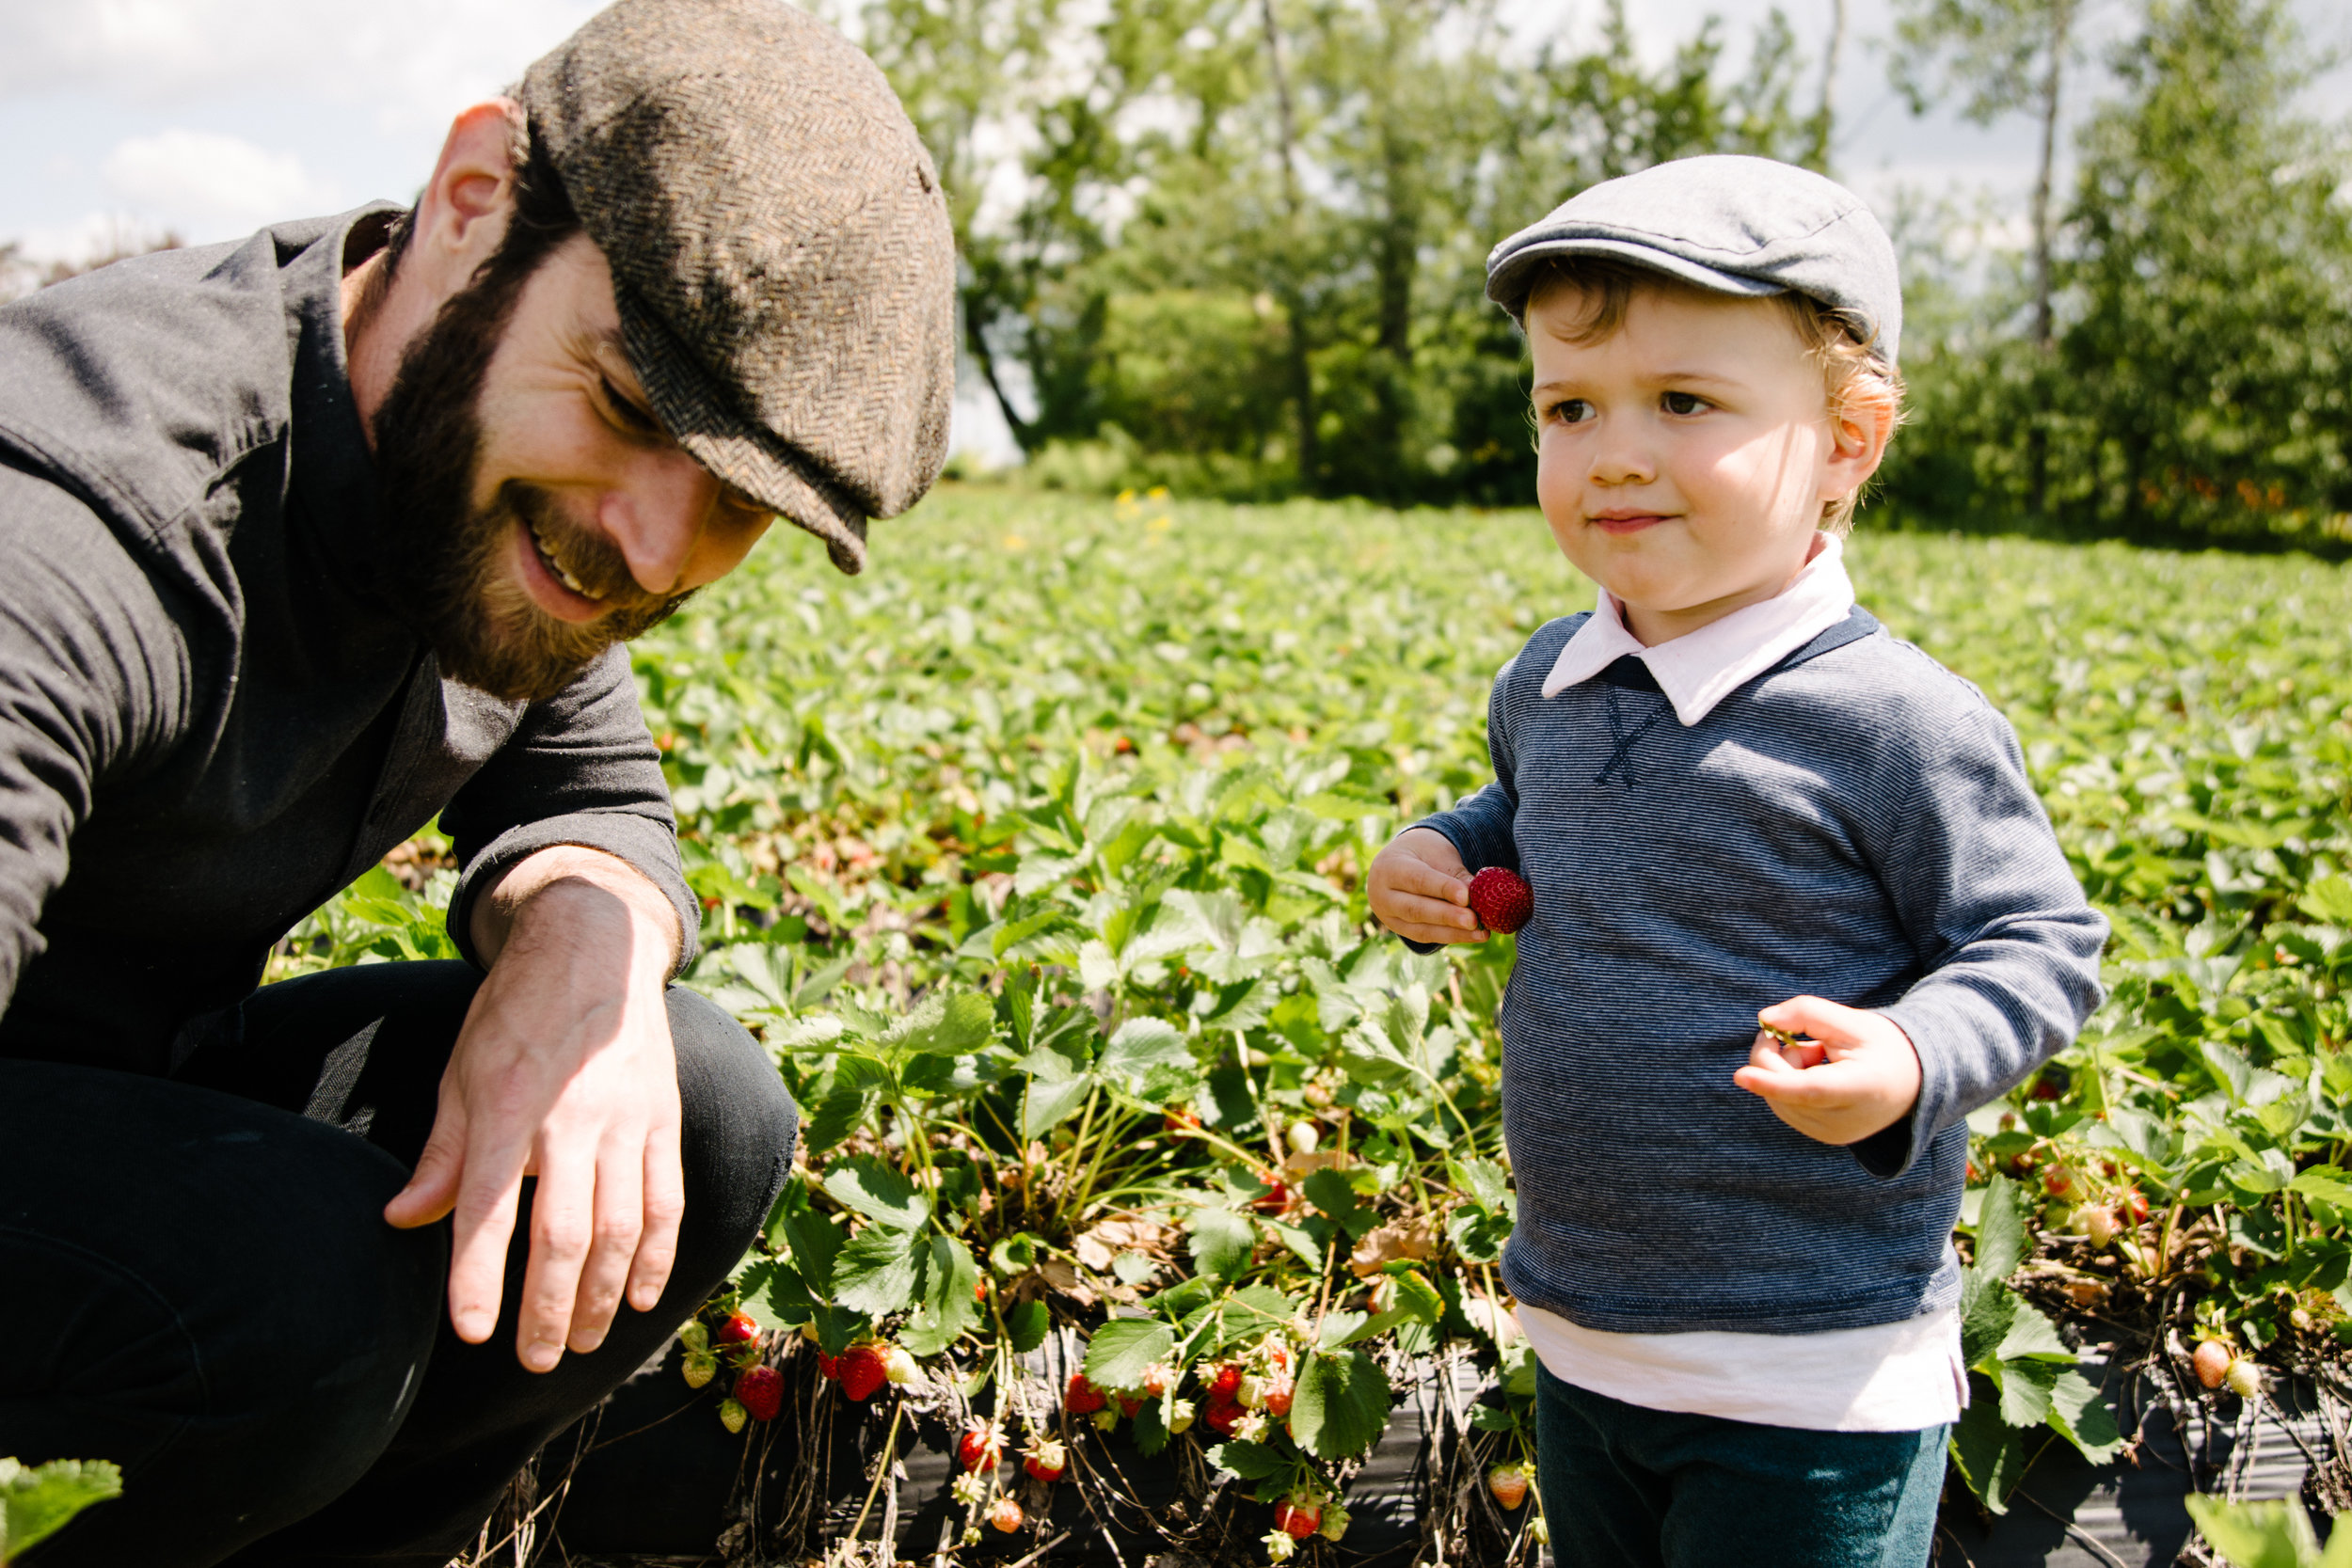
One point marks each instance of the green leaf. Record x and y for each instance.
(1249, 1461)
(788, 1298)
(2079, 1415)
(2329, 900)
(1026, 1326)
(1341, 1404)
(879, 1271)
(1484, 1182)
(815, 1239)
(1340, 1327)
(1048, 1105)
(1987, 1452)
(754, 1286)
(1149, 1430)
(1332, 1192)
(2328, 1183)
(1124, 1348)
(38, 1501)
(2032, 1337)
(1493, 1418)
(1140, 1045)
(880, 1191)
(1222, 1243)
(836, 1115)
(1303, 1244)
(948, 1306)
(2258, 1535)
(2025, 1390)
(2001, 1230)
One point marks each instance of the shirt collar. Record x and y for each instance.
(333, 478)
(1700, 668)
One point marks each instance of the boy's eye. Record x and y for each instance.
(1569, 411)
(1683, 403)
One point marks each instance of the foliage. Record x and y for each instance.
(1043, 842)
(2269, 1535)
(37, 1500)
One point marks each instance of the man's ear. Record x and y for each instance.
(462, 214)
(1862, 421)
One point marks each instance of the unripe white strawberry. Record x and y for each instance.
(1334, 1521)
(732, 1415)
(2244, 1378)
(701, 1367)
(1179, 1415)
(1252, 1394)
(2097, 1221)
(1304, 1137)
(1106, 1419)
(899, 1365)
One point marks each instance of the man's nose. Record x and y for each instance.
(656, 513)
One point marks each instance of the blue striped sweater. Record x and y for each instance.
(1855, 823)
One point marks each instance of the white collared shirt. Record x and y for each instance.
(1891, 1377)
(1700, 668)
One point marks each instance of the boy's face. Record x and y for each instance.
(1683, 459)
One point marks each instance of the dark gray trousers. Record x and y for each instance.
(197, 1281)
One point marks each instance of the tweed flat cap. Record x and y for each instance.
(1734, 225)
(780, 249)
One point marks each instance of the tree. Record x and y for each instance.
(1999, 57)
(2206, 386)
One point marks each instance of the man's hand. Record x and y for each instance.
(1857, 1075)
(565, 1072)
(1419, 889)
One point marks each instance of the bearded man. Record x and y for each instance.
(308, 541)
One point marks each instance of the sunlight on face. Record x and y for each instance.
(1683, 459)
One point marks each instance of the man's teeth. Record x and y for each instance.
(562, 573)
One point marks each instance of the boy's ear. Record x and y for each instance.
(1861, 423)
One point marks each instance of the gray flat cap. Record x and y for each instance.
(780, 249)
(1737, 226)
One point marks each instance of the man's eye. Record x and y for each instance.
(1684, 403)
(630, 414)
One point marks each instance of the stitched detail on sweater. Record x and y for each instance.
(1621, 756)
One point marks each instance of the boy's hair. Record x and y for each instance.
(1837, 340)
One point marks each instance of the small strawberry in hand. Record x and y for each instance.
(1501, 899)
(760, 1391)
(864, 1369)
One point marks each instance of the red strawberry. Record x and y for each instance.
(1221, 1416)
(863, 1371)
(737, 1330)
(1299, 1520)
(1180, 1120)
(980, 1448)
(1501, 899)
(827, 1368)
(2136, 1203)
(1128, 1407)
(1278, 1399)
(761, 1392)
(1275, 1198)
(2212, 1361)
(1005, 1514)
(1082, 1398)
(1226, 1385)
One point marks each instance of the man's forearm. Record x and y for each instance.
(583, 888)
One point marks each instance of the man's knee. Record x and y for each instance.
(740, 1124)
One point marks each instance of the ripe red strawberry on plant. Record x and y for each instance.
(1501, 899)
(980, 1448)
(1046, 1459)
(1275, 1198)
(1005, 1514)
(761, 1392)
(737, 1330)
(1225, 1384)
(864, 1369)
(1222, 1416)
(1082, 1398)
(1299, 1518)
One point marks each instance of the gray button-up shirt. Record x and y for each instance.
(210, 721)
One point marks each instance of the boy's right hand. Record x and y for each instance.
(1419, 889)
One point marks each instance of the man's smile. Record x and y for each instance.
(553, 586)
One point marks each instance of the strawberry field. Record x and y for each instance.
(1138, 1168)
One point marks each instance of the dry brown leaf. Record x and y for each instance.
(1391, 1243)
(1300, 1166)
(1064, 1278)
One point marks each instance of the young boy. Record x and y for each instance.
(1737, 799)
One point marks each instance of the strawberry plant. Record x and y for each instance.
(37, 1500)
(1034, 857)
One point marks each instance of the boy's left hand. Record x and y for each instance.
(1855, 1074)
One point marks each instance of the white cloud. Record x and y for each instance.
(210, 186)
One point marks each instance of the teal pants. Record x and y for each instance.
(1626, 1487)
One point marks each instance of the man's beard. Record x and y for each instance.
(449, 565)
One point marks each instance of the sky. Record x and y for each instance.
(210, 118)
